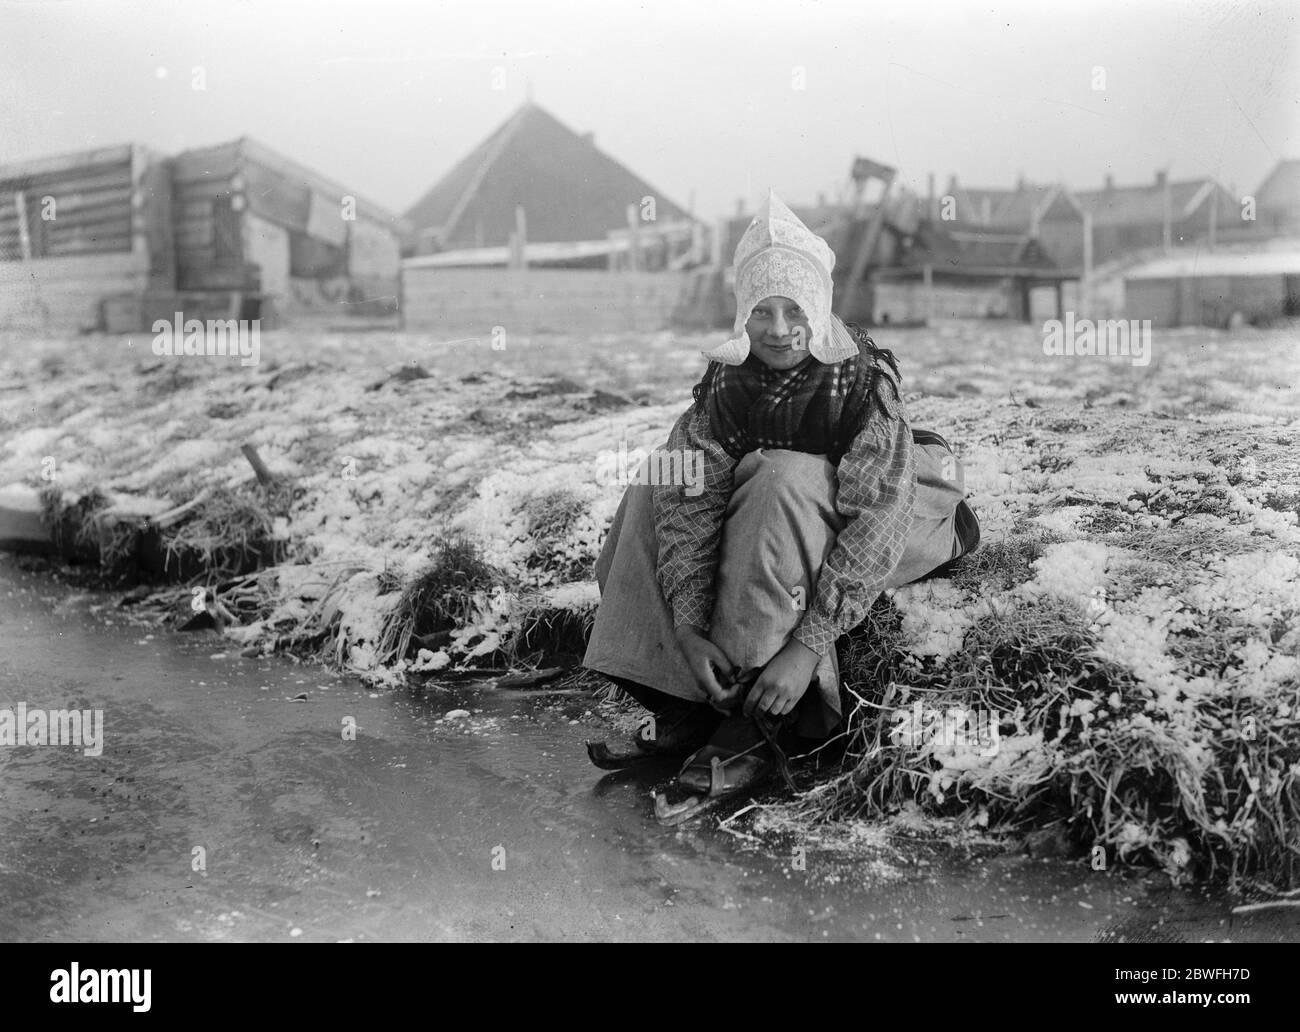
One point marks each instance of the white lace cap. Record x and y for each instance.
(781, 257)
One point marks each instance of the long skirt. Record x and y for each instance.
(779, 527)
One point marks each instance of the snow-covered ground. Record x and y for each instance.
(391, 465)
(1164, 499)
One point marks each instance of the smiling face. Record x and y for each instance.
(779, 332)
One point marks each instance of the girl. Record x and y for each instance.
(721, 600)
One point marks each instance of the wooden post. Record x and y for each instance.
(634, 239)
(24, 237)
(264, 475)
(521, 236)
(1168, 216)
(1085, 288)
(720, 234)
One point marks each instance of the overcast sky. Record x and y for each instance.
(697, 97)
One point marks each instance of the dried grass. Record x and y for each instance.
(439, 598)
(87, 529)
(1212, 789)
(550, 518)
(230, 533)
(544, 629)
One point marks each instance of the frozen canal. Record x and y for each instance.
(491, 826)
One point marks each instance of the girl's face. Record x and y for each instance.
(779, 332)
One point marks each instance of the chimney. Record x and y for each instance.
(589, 139)
(740, 207)
(1110, 182)
(933, 207)
(1162, 178)
(1020, 183)
(952, 185)
(821, 199)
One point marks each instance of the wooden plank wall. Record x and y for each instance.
(200, 178)
(72, 209)
(128, 221)
(65, 294)
(324, 247)
(56, 271)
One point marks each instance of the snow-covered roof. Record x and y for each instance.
(1264, 263)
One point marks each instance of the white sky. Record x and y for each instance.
(694, 96)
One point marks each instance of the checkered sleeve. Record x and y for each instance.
(688, 520)
(877, 489)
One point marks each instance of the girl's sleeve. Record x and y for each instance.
(877, 489)
(688, 519)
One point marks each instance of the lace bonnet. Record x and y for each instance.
(781, 257)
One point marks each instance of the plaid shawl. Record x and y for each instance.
(814, 407)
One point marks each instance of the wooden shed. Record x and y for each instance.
(1210, 289)
(76, 229)
(117, 237)
(249, 219)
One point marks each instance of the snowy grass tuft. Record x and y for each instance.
(441, 597)
(1183, 762)
(232, 531)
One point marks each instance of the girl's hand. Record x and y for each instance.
(708, 663)
(783, 681)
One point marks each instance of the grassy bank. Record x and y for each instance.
(1129, 626)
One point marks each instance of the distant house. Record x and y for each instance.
(1277, 201)
(943, 272)
(1047, 213)
(78, 228)
(840, 225)
(1162, 214)
(116, 237)
(536, 180)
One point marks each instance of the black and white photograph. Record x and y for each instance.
(482, 471)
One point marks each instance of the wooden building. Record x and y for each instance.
(115, 238)
(249, 219)
(944, 273)
(1161, 215)
(1277, 201)
(1215, 289)
(1048, 213)
(78, 228)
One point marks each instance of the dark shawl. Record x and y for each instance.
(812, 408)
